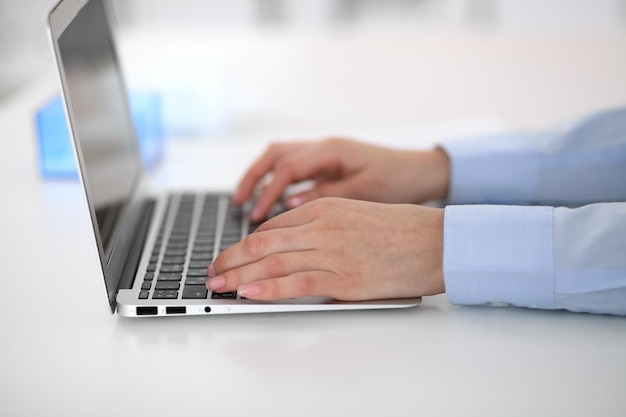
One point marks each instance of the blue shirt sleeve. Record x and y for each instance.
(580, 163)
(540, 256)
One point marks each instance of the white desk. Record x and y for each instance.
(68, 356)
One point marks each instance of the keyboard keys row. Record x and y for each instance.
(190, 291)
(172, 248)
(174, 283)
(195, 292)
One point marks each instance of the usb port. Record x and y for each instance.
(147, 311)
(176, 310)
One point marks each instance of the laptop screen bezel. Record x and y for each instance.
(113, 258)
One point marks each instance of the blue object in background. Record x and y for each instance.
(55, 145)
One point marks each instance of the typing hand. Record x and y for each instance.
(344, 168)
(345, 249)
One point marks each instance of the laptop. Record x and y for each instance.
(154, 247)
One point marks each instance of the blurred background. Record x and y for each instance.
(240, 66)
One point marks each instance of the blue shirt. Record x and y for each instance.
(539, 219)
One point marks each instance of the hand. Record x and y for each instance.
(343, 168)
(344, 249)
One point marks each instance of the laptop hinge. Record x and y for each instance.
(134, 255)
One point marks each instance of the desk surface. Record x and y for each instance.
(64, 354)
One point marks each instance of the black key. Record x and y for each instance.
(196, 281)
(178, 239)
(149, 276)
(176, 252)
(165, 294)
(170, 276)
(203, 248)
(208, 221)
(177, 245)
(179, 236)
(202, 251)
(198, 265)
(208, 244)
(143, 295)
(202, 257)
(232, 237)
(232, 234)
(224, 295)
(146, 285)
(173, 260)
(206, 228)
(195, 292)
(151, 267)
(167, 285)
(172, 268)
(197, 272)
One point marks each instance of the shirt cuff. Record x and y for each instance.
(499, 254)
(492, 169)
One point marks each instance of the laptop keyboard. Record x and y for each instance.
(195, 229)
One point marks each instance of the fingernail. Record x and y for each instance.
(249, 291)
(237, 196)
(217, 283)
(211, 271)
(296, 201)
(256, 214)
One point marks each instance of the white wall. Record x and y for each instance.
(497, 15)
(23, 41)
(24, 49)
(260, 33)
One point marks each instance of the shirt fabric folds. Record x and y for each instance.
(539, 219)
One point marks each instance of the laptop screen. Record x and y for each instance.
(100, 118)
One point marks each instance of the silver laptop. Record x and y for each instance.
(154, 248)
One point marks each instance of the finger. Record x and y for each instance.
(299, 216)
(272, 193)
(273, 266)
(309, 212)
(299, 284)
(344, 188)
(305, 164)
(259, 245)
(261, 167)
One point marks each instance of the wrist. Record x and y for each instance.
(438, 282)
(429, 247)
(429, 176)
(441, 173)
